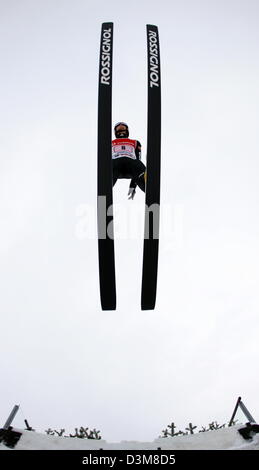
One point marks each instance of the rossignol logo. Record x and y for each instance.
(153, 60)
(106, 57)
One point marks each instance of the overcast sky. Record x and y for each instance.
(129, 372)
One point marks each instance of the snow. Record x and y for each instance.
(222, 439)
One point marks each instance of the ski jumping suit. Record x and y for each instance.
(126, 161)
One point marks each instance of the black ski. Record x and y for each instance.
(152, 207)
(104, 185)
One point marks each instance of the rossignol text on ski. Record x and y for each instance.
(106, 55)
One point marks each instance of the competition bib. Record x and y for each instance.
(124, 148)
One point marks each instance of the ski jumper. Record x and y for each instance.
(126, 161)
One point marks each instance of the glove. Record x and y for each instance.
(131, 193)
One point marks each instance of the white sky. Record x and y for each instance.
(129, 373)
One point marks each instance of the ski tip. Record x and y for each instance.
(107, 23)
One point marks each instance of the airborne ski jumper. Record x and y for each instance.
(126, 159)
(121, 158)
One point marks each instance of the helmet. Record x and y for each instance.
(118, 133)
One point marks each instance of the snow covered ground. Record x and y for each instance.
(222, 439)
